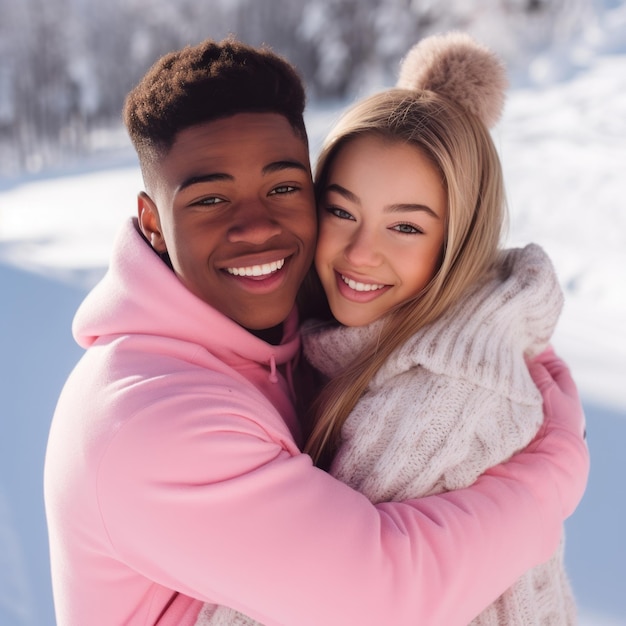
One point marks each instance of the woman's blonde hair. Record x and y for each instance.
(460, 147)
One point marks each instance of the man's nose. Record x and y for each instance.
(255, 223)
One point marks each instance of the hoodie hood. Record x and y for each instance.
(139, 294)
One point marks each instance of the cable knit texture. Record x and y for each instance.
(453, 401)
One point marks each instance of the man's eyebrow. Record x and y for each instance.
(270, 168)
(277, 166)
(204, 178)
(392, 208)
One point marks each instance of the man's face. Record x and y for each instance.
(232, 204)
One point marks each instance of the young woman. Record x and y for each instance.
(411, 212)
(429, 325)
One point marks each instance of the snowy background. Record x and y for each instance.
(563, 146)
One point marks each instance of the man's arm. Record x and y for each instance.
(225, 515)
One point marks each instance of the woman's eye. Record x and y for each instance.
(407, 229)
(283, 189)
(340, 213)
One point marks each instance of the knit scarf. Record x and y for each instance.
(453, 401)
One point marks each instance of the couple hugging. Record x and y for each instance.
(329, 403)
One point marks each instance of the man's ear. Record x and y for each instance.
(149, 222)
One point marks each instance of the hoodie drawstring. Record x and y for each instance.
(273, 376)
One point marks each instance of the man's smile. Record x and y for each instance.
(257, 270)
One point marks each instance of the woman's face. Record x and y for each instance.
(381, 228)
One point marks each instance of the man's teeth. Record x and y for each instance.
(360, 286)
(256, 270)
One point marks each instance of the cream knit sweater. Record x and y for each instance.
(453, 401)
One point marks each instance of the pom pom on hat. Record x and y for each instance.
(457, 67)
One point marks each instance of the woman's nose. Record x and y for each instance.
(362, 249)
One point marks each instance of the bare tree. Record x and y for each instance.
(68, 64)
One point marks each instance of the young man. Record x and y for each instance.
(173, 473)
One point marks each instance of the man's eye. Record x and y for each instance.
(210, 200)
(283, 189)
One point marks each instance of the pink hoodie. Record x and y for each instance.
(173, 477)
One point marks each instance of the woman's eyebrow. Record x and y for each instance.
(342, 191)
(392, 208)
(397, 208)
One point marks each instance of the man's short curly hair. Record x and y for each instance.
(205, 82)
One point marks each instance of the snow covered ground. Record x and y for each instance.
(563, 147)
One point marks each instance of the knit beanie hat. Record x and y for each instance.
(457, 67)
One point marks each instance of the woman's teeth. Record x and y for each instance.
(353, 284)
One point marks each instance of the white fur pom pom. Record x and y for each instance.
(457, 67)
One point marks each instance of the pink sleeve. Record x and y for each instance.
(227, 516)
